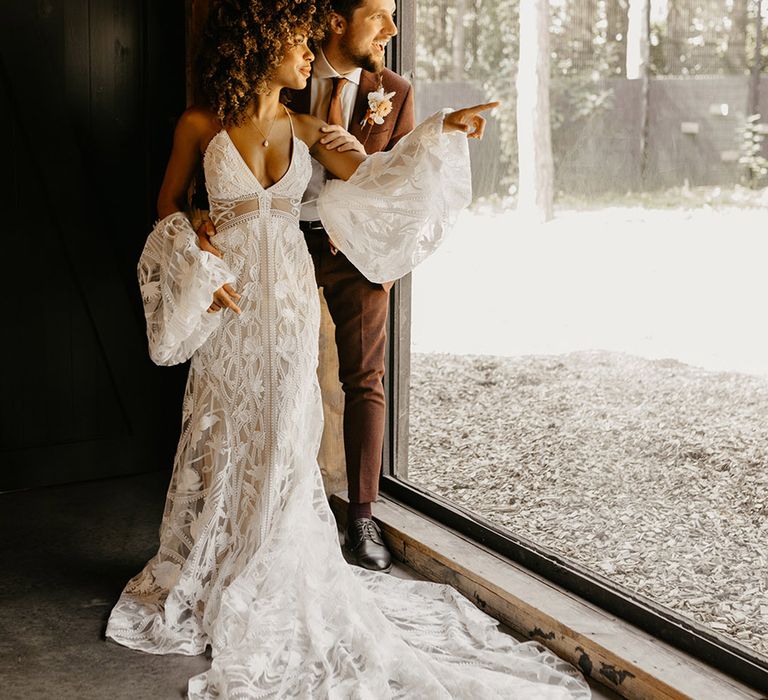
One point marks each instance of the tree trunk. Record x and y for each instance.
(676, 40)
(639, 68)
(458, 40)
(618, 25)
(737, 37)
(534, 138)
(638, 39)
(757, 64)
(581, 17)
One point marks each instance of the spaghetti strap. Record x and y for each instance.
(290, 121)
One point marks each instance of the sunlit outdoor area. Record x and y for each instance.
(589, 364)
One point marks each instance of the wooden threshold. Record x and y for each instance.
(610, 651)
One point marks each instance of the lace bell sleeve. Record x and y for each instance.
(398, 206)
(177, 282)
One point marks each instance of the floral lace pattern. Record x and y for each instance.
(397, 208)
(177, 281)
(249, 561)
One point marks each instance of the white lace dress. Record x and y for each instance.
(249, 561)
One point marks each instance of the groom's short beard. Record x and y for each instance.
(364, 61)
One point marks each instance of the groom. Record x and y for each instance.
(348, 66)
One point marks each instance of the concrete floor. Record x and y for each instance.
(66, 553)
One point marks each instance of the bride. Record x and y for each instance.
(249, 561)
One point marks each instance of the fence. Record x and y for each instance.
(692, 136)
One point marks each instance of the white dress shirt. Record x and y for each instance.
(320, 97)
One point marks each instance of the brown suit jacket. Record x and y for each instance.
(375, 137)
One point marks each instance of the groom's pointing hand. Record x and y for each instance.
(468, 120)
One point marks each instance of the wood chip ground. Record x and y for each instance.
(651, 472)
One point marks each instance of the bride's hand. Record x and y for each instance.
(224, 298)
(468, 120)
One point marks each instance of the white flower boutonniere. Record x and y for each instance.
(379, 106)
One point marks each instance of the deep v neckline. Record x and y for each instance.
(248, 167)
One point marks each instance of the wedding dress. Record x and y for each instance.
(249, 559)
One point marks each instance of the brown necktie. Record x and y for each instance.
(336, 117)
(335, 112)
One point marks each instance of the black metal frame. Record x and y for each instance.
(710, 647)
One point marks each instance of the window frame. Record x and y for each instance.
(714, 649)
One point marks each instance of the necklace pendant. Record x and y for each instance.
(266, 143)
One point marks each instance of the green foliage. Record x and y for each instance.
(705, 37)
(754, 164)
(498, 51)
(476, 41)
(583, 54)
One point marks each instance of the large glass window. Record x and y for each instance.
(597, 385)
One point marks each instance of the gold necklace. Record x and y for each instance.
(266, 136)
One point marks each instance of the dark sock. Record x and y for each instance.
(358, 510)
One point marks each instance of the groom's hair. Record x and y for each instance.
(345, 7)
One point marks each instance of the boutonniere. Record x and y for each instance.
(379, 106)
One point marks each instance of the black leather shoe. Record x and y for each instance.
(366, 545)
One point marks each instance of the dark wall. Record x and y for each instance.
(89, 92)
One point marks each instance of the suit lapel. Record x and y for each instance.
(368, 83)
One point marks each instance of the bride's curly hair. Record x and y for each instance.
(243, 42)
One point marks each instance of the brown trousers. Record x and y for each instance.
(359, 310)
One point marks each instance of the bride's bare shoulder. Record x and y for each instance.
(198, 124)
(307, 127)
(199, 118)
